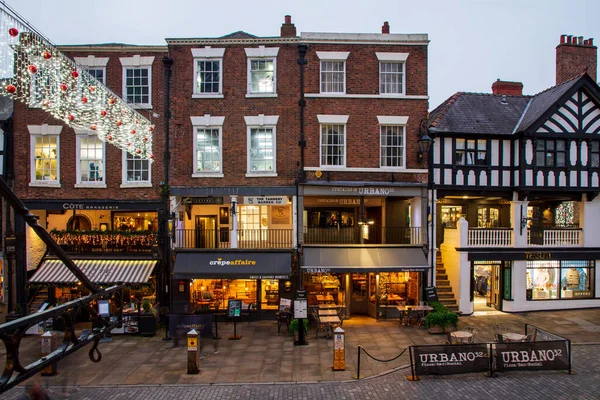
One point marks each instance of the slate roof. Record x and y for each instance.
(478, 113)
(238, 35)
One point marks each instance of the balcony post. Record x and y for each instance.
(590, 229)
(463, 232)
(234, 223)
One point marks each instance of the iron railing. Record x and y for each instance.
(363, 234)
(221, 238)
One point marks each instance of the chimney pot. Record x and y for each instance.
(507, 88)
(385, 29)
(580, 40)
(569, 37)
(287, 28)
(591, 41)
(562, 39)
(288, 19)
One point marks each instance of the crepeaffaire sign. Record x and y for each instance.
(451, 359)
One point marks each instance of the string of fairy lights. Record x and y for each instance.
(35, 72)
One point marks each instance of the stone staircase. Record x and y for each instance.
(444, 290)
(40, 297)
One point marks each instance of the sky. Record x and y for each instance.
(472, 42)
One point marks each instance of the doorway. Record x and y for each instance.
(487, 285)
(206, 231)
(359, 297)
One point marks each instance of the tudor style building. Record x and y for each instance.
(515, 185)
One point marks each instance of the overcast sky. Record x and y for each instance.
(472, 42)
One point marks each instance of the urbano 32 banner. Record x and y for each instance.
(532, 356)
(451, 359)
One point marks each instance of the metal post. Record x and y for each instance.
(357, 376)
(412, 377)
(193, 352)
(491, 373)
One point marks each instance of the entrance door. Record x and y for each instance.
(359, 299)
(495, 289)
(206, 231)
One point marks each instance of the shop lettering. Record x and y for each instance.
(449, 358)
(376, 191)
(318, 270)
(524, 356)
(222, 262)
(538, 256)
(81, 206)
(343, 189)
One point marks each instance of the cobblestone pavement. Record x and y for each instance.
(583, 384)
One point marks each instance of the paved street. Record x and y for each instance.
(583, 384)
(265, 364)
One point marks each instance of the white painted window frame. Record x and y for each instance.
(333, 120)
(207, 54)
(261, 53)
(393, 58)
(207, 122)
(88, 184)
(137, 62)
(125, 184)
(399, 121)
(332, 56)
(43, 130)
(261, 121)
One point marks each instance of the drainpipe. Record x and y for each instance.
(301, 176)
(165, 196)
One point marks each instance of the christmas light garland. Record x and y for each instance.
(44, 77)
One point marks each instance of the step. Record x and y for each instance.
(441, 289)
(445, 295)
(442, 282)
(439, 276)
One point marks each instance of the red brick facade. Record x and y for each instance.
(575, 56)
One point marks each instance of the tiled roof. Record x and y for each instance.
(478, 113)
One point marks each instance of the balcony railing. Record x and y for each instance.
(558, 237)
(484, 237)
(105, 242)
(363, 234)
(221, 238)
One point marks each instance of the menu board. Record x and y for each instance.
(234, 308)
(431, 294)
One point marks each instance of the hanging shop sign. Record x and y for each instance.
(266, 200)
(451, 359)
(532, 356)
(180, 325)
(186, 201)
(10, 245)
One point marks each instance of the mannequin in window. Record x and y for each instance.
(542, 278)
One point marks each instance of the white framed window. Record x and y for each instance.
(208, 146)
(392, 141)
(95, 66)
(262, 145)
(137, 81)
(391, 72)
(90, 160)
(45, 155)
(137, 172)
(333, 140)
(333, 71)
(262, 71)
(44, 85)
(208, 72)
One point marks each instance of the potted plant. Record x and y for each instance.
(441, 319)
(147, 321)
(294, 326)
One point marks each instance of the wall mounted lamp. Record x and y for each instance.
(424, 145)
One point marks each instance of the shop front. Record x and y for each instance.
(205, 281)
(537, 280)
(373, 281)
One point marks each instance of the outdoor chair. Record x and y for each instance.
(473, 331)
(405, 318)
(283, 318)
(320, 326)
(498, 331)
(528, 338)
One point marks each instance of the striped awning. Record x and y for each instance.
(98, 271)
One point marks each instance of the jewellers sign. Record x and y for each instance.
(266, 200)
(451, 359)
(532, 356)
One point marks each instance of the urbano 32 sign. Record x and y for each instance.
(532, 356)
(452, 359)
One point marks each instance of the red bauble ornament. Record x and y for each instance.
(145, 139)
(46, 103)
(93, 127)
(63, 87)
(84, 100)
(138, 151)
(128, 144)
(103, 113)
(111, 101)
(109, 137)
(132, 132)
(92, 89)
(150, 128)
(152, 156)
(47, 55)
(119, 123)
(71, 117)
(32, 69)
(13, 32)
(74, 74)
(11, 89)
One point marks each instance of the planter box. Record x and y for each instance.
(435, 329)
(147, 325)
(450, 328)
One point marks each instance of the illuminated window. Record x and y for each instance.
(90, 160)
(45, 168)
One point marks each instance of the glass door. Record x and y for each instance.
(206, 231)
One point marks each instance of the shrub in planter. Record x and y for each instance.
(441, 319)
(294, 325)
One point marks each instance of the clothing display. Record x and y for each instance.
(572, 278)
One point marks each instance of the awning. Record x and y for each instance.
(336, 259)
(98, 271)
(230, 265)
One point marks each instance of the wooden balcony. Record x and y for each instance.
(97, 242)
(221, 238)
(555, 237)
(363, 234)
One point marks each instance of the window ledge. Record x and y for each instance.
(207, 96)
(207, 175)
(368, 96)
(53, 184)
(91, 185)
(261, 175)
(134, 185)
(251, 95)
(140, 106)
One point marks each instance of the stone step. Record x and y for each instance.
(441, 289)
(442, 282)
(445, 295)
(439, 276)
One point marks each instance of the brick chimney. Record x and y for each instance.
(385, 29)
(507, 88)
(574, 56)
(287, 28)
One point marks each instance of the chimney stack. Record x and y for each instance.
(287, 28)
(385, 29)
(507, 88)
(574, 56)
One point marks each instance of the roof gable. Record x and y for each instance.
(579, 114)
(238, 35)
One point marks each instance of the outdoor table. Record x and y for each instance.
(328, 306)
(414, 308)
(330, 319)
(327, 311)
(513, 337)
(461, 336)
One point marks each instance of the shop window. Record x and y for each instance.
(79, 223)
(488, 217)
(142, 221)
(559, 280)
(451, 215)
(270, 294)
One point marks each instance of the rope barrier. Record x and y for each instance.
(376, 359)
